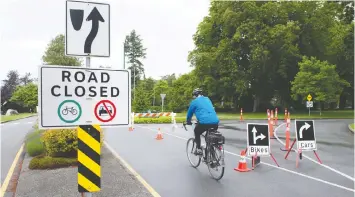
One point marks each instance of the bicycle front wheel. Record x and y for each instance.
(215, 161)
(194, 159)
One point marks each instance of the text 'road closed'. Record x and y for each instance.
(78, 90)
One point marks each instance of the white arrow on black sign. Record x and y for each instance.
(305, 126)
(255, 138)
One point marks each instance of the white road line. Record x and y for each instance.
(330, 168)
(271, 165)
(29, 122)
(16, 123)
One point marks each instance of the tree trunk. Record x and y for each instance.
(256, 103)
(342, 100)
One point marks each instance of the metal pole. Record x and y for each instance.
(154, 97)
(162, 106)
(124, 56)
(309, 111)
(87, 194)
(134, 82)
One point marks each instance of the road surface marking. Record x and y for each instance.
(271, 165)
(16, 123)
(140, 179)
(11, 171)
(330, 168)
(29, 122)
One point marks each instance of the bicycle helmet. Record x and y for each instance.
(197, 92)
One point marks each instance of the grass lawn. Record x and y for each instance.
(336, 114)
(15, 117)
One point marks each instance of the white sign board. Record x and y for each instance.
(309, 104)
(87, 29)
(72, 96)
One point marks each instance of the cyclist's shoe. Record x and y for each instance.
(198, 151)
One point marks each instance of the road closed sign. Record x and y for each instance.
(72, 96)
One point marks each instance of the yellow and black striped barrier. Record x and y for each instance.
(89, 150)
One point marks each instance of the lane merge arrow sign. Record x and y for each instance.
(95, 17)
(87, 29)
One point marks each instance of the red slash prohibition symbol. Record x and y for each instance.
(107, 108)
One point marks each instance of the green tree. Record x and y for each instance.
(318, 78)
(180, 93)
(141, 102)
(135, 52)
(169, 78)
(252, 49)
(9, 85)
(26, 79)
(55, 53)
(161, 87)
(26, 95)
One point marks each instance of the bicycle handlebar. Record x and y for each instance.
(185, 123)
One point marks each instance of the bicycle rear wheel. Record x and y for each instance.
(215, 161)
(194, 159)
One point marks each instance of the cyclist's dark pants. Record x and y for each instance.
(199, 129)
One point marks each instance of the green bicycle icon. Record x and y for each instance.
(67, 109)
(74, 110)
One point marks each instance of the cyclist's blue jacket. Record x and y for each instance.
(203, 109)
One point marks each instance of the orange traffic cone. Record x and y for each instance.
(242, 166)
(159, 135)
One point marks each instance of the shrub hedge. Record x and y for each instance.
(45, 162)
(160, 120)
(60, 142)
(34, 146)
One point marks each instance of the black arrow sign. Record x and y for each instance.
(95, 17)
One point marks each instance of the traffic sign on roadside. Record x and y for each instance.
(105, 111)
(258, 139)
(71, 96)
(309, 97)
(305, 135)
(87, 29)
(309, 104)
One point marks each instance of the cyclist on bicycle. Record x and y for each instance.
(204, 111)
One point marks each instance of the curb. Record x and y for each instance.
(10, 190)
(17, 119)
(352, 130)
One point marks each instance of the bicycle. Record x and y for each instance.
(70, 109)
(214, 144)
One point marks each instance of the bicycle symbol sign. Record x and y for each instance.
(69, 111)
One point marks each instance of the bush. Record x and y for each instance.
(60, 142)
(160, 120)
(63, 142)
(34, 145)
(45, 162)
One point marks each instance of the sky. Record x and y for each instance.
(166, 27)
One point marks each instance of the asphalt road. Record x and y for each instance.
(164, 165)
(12, 136)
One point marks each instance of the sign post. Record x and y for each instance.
(258, 141)
(305, 138)
(82, 97)
(162, 101)
(309, 104)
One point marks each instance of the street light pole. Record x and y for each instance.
(124, 55)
